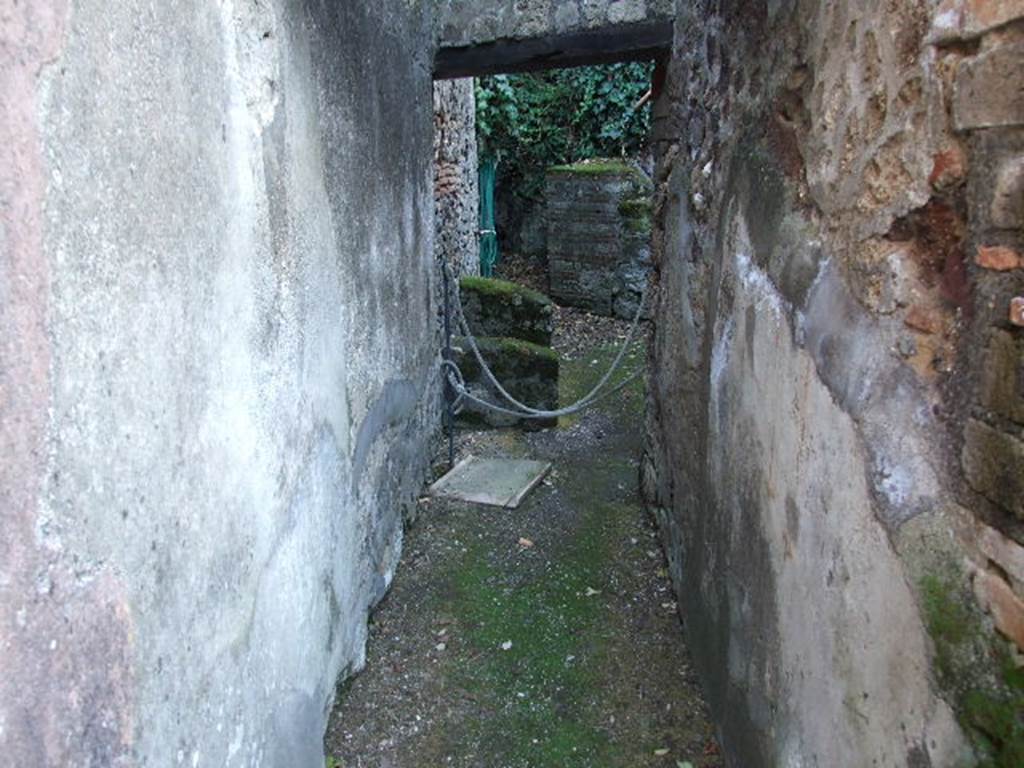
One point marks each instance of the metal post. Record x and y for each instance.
(449, 393)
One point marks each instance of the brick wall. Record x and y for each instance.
(980, 49)
(598, 236)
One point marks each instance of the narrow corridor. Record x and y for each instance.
(542, 636)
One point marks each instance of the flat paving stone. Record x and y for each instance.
(494, 482)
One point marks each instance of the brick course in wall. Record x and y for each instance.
(982, 45)
(598, 237)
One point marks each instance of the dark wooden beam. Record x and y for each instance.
(601, 46)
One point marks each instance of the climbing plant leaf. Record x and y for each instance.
(532, 121)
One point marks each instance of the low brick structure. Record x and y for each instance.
(529, 372)
(500, 308)
(599, 235)
(513, 326)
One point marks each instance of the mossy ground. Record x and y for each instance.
(565, 653)
(541, 685)
(577, 377)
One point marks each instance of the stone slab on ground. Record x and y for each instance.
(494, 482)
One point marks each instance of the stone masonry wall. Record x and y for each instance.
(471, 22)
(217, 367)
(598, 219)
(981, 51)
(456, 192)
(480, 37)
(834, 419)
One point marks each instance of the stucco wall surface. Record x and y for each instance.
(828, 464)
(215, 379)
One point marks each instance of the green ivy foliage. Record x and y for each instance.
(532, 121)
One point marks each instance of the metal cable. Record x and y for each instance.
(464, 394)
(525, 411)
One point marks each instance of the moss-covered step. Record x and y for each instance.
(501, 309)
(603, 167)
(529, 372)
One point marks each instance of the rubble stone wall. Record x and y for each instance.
(492, 36)
(834, 418)
(456, 191)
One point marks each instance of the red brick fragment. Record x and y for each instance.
(923, 320)
(998, 257)
(966, 19)
(991, 13)
(949, 168)
(1017, 311)
(1003, 551)
(998, 598)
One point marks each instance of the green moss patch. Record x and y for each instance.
(596, 168)
(538, 648)
(636, 208)
(508, 357)
(520, 348)
(636, 213)
(975, 670)
(503, 290)
(578, 376)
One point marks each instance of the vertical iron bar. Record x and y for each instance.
(448, 393)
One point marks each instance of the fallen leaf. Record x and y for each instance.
(525, 543)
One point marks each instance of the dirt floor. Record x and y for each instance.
(546, 636)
